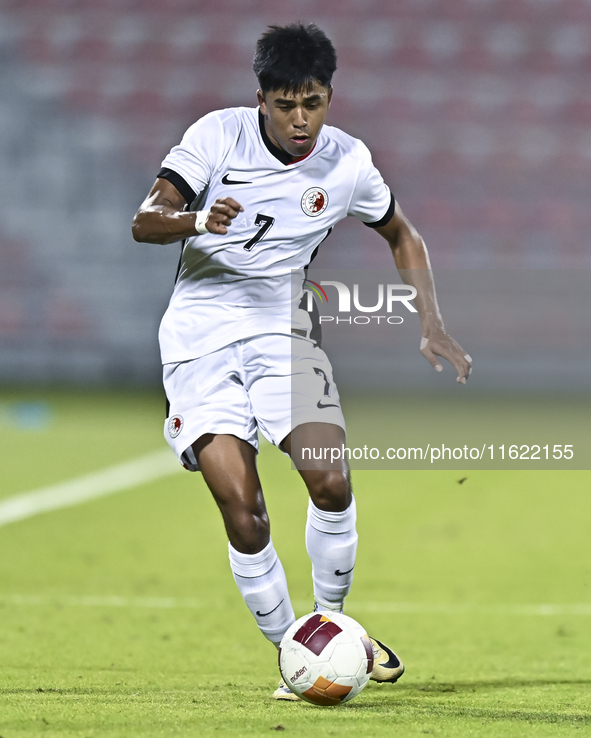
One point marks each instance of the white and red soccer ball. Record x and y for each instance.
(326, 658)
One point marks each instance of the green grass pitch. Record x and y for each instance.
(119, 617)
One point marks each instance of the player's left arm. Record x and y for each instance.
(412, 260)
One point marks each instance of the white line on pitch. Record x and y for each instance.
(141, 470)
(415, 608)
(106, 601)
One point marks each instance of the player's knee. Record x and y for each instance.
(331, 491)
(249, 531)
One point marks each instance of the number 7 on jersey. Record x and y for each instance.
(265, 221)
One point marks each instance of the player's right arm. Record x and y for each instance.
(162, 217)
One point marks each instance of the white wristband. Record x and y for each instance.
(202, 216)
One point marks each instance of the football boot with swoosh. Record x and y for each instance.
(387, 667)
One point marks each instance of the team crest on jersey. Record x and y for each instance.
(314, 201)
(175, 425)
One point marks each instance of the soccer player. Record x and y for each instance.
(251, 193)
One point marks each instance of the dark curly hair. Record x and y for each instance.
(290, 58)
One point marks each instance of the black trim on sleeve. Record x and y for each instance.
(175, 179)
(387, 217)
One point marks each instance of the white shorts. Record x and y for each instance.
(272, 383)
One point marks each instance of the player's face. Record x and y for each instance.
(293, 122)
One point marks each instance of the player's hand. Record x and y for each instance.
(221, 214)
(441, 344)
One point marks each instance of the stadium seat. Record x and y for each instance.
(479, 94)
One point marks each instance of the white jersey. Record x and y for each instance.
(240, 285)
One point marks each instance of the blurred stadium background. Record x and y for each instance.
(478, 113)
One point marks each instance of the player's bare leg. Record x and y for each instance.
(229, 469)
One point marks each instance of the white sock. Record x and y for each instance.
(331, 541)
(262, 584)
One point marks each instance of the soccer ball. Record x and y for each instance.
(326, 658)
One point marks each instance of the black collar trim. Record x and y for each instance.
(278, 153)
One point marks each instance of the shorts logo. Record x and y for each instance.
(314, 201)
(175, 425)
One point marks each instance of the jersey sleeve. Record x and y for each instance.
(372, 202)
(194, 159)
